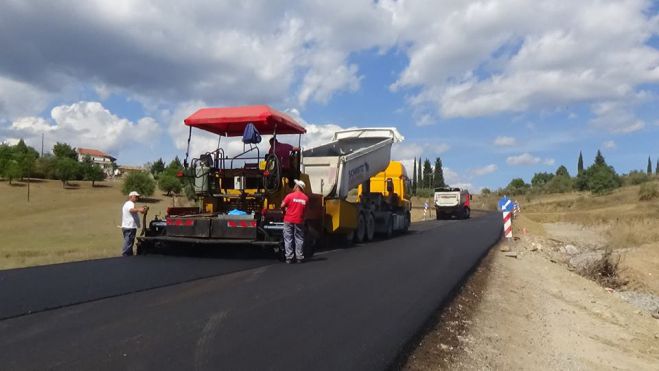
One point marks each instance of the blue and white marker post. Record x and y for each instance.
(506, 206)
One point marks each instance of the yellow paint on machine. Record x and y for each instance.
(341, 216)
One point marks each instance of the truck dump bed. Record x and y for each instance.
(349, 160)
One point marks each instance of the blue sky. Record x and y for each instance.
(498, 89)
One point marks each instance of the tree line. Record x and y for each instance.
(156, 173)
(425, 177)
(598, 178)
(21, 161)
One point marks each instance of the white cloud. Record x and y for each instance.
(504, 141)
(523, 159)
(615, 117)
(86, 124)
(439, 148)
(609, 144)
(472, 58)
(549, 161)
(19, 98)
(481, 58)
(488, 169)
(160, 52)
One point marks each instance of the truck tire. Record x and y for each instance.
(144, 247)
(390, 227)
(360, 232)
(309, 247)
(408, 221)
(466, 213)
(370, 226)
(438, 215)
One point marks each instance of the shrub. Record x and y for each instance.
(517, 186)
(648, 191)
(559, 184)
(141, 182)
(636, 177)
(602, 179)
(168, 184)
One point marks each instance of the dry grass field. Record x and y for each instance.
(628, 221)
(59, 225)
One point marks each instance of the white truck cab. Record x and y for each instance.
(451, 202)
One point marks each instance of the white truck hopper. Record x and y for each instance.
(350, 159)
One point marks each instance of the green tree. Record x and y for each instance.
(438, 174)
(540, 179)
(599, 159)
(656, 170)
(599, 178)
(420, 175)
(21, 148)
(559, 184)
(91, 171)
(427, 174)
(562, 171)
(63, 150)
(44, 167)
(517, 186)
(414, 179)
(602, 179)
(6, 155)
(580, 164)
(169, 184)
(141, 182)
(485, 191)
(157, 167)
(66, 169)
(649, 166)
(175, 165)
(13, 171)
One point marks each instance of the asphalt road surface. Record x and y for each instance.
(347, 309)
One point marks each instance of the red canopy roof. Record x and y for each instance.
(231, 121)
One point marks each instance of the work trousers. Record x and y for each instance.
(129, 239)
(294, 238)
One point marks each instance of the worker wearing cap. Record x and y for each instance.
(294, 205)
(130, 221)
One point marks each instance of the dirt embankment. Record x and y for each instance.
(546, 301)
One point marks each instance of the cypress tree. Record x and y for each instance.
(414, 180)
(419, 180)
(427, 174)
(580, 164)
(599, 159)
(649, 166)
(438, 175)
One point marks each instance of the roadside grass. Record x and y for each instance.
(60, 225)
(629, 221)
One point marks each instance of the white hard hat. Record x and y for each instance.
(299, 183)
(133, 193)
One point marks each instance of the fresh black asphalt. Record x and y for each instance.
(351, 309)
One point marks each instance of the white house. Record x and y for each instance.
(98, 157)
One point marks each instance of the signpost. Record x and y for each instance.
(506, 206)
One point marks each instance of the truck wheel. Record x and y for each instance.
(390, 227)
(370, 227)
(143, 247)
(438, 215)
(309, 247)
(360, 232)
(466, 213)
(408, 221)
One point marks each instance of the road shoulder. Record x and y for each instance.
(526, 312)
